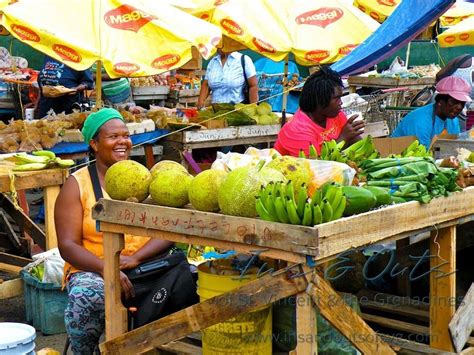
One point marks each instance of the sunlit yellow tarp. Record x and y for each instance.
(315, 31)
(379, 10)
(199, 8)
(458, 12)
(461, 34)
(133, 38)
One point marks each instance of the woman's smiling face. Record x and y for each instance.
(112, 143)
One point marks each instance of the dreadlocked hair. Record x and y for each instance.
(319, 89)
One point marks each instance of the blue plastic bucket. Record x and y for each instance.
(16, 338)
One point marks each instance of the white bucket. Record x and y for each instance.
(16, 338)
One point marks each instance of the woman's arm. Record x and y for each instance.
(68, 215)
(151, 249)
(203, 94)
(253, 89)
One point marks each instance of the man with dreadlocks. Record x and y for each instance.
(319, 117)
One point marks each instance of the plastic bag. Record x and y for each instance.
(325, 171)
(230, 161)
(52, 263)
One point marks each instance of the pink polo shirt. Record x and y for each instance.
(301, 131)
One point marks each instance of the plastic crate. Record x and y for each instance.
(45, 304)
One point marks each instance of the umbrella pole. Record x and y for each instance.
(284, 99)
(98, 85)
(407, 57)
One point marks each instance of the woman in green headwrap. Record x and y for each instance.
(80, 243)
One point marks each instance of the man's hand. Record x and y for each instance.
(80, 88)
(352, 128)
(128, 262)
(127, 287)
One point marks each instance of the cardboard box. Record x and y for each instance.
(442, 136)
(387, 146)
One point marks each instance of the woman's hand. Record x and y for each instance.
(352, 129)
(128, 262)
(127, 286)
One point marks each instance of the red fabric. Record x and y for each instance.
(301, 131)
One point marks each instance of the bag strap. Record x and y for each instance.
(242, 62)
(95, 182)
(96, 186)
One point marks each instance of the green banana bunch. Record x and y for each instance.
(328, 203)
(361, 150)
(332, 150)
(415, 149)
(279, 202)
(39, 159)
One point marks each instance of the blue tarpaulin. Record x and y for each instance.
(81, 147)
(409, 19)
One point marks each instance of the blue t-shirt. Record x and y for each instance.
(226, 82)
(55, 73)
(420, 123)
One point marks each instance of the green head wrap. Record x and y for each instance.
(96, 120)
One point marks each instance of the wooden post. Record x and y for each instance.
(251, 296)
(115, 313)
(345, 319)
(149, 157)
(306, 328)
(50, 195)
(442, 286)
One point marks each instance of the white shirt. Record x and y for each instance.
(226, 82)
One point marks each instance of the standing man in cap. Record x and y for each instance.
(439, 117)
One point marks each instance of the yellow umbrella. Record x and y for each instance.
(377, 9)
(457, 13)
(315, 31)
(461, 34)
(136, 38)
(199, 8)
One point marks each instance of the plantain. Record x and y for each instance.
(280, 209)
(317, 197)
(44, 153)
(329, 191)
(337, 197)
(270, 206)
(263, 194)
(317, 215)
(339, 210)
(301, 200)
(307, 219)
(290, 190)
(327, 211)
(30, 167)
(64, 163)
(292, 214)
(27, 159)
(340, 145)
(262, 211)
(313, 153)
(301, 154)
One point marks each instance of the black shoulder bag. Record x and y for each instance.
(245, 88)
(163, 285)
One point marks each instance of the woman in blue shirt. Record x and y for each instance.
(225, 79)
(441, 116)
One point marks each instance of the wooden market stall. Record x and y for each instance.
(388, 83)
(50, 180)
(443, 148)
(303, 247)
